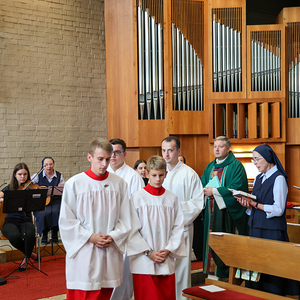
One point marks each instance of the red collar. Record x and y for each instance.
(91, 174)
(153, 190)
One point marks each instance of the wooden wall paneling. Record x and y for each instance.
(252, 120)
(147, 152)
(293, 131)
(288, 14)
(152, 132)
(265, 30)
(189, 122)
(264, 120)
(212, 4)
(195, 148)
(121, 70)
(293, 172)
(241, 120)
(132, 155)
(275, 120)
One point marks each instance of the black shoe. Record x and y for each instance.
(22, 267)
(44, 241)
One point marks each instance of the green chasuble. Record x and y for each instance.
(232, 175)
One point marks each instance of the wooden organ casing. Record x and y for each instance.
(230, 106)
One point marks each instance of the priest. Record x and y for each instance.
(222, 211)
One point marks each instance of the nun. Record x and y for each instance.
(267, 213)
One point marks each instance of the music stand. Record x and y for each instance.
(24, 201)
(53, 191)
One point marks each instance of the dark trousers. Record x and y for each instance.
(15, 230)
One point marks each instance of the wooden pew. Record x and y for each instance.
(261, 255)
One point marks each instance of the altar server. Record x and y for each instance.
(94, 224)
(157, 236)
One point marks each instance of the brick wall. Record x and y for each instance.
(52, 83)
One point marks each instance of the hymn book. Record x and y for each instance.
(240, 194)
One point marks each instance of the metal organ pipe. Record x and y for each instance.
(188, 71)
(265, 60)
(150, 69)
(226, 50)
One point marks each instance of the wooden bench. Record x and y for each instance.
(261, 255)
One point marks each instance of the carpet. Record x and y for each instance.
(34, 285)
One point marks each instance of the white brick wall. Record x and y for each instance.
(52, 83)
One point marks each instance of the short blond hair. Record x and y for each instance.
(156, 162)
(224, 139)
(100, 143)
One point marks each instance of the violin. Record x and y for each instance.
(28, 185)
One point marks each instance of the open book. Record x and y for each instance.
(239, 194)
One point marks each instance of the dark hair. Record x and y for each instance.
(182, 158)
(136, 164)
(14, 185)
(118, 142)
(171, 138)
(47, 157)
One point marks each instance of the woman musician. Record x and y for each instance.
(16, 225)
(48, 218)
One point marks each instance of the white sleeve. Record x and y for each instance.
(35, 179)
(73, 234)
(176, 244)
(136, 244)
(280, 191)
(122, 228)
(193, 206)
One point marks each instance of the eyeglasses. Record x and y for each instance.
(256, 160)
(117, 152)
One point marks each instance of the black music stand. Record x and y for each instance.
(25, 201)
(53, 191)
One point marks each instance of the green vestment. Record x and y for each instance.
(230, 218)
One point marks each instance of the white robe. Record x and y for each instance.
(157, 223)
(91, 206)
(134, 180)
(185, 183)
(134, 183)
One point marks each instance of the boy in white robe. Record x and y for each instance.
(94, 223)
(156, 238)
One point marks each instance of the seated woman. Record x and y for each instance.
(18, 224)
(267, 214)
(48, 219)
(141, 167)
